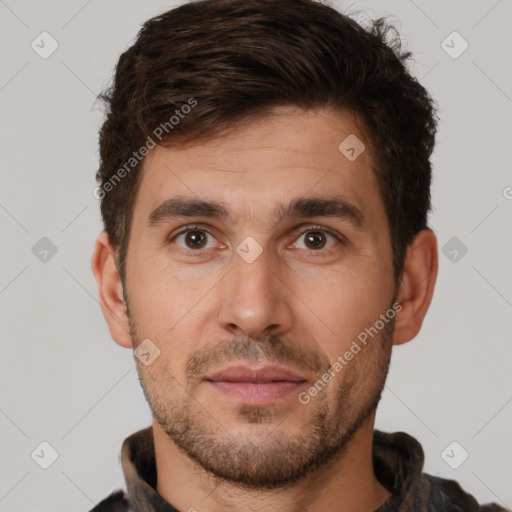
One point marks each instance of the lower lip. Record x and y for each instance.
(252, 393)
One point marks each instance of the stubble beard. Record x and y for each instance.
(273, 459)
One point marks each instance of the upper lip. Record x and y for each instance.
(242, 373)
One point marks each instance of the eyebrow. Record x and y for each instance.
(334, 206)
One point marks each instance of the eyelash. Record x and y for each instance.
(298, 233)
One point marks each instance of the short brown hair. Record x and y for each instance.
(237, 59)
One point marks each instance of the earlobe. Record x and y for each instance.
(416, 286)
(110, 291)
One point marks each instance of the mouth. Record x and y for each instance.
(256, 387)
(256, 393)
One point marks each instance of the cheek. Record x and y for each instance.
(353, 284)
(161, 287)
(346, 301)
(171, 312)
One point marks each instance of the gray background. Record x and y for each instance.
(64, 381)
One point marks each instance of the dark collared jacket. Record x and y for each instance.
(398, 464)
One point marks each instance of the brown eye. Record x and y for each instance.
(195, 239)
(315, 239)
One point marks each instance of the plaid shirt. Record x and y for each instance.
(398, 463)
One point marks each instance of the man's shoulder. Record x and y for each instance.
(117, 501)
(447, 494)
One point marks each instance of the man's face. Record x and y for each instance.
(256, 289)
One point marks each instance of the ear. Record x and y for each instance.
(416, 286)
(110, 290)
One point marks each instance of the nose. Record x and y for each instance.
(255, 298)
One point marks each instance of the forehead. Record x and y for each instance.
(264, 168)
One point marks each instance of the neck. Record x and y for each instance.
(346, 484)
